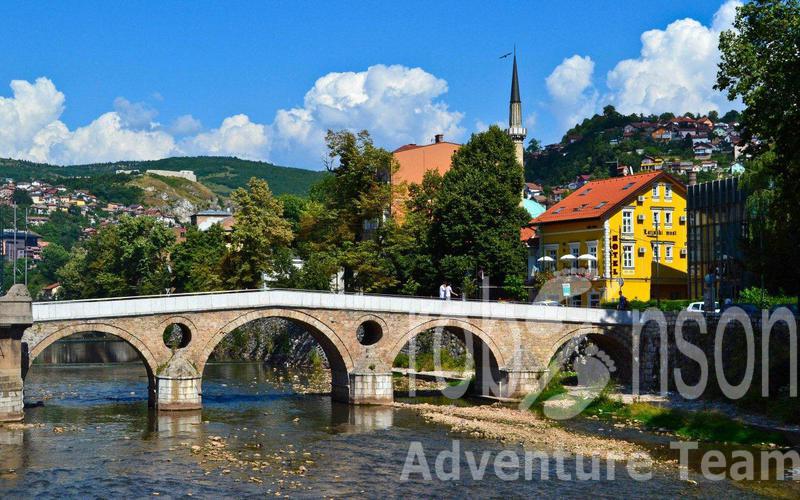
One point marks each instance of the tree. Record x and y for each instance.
(54, 256)
(125, 259)
(477, 215)
(346, 218)
(197, 262)
(260, 237)
(21, 197)
(760, 64)
(713, 115)
(533, 146)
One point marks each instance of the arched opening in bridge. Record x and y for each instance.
(177, 336)
(90, 367)
(591, 360)
(273, 355)
(446, 359)
(369, 332)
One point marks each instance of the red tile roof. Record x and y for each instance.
(527, 233)
(597, 198)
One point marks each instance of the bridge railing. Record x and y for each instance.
(274, 297)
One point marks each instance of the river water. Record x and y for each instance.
(95, 437)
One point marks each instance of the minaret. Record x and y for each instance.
(515, 128)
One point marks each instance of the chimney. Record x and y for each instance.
(438, 138)
(692, 178)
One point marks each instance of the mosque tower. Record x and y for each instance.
(515, 129)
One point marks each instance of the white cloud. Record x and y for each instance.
(185, 125)
(107, 139)
(135, 115)
(31, 129)
(570, 87)
(29, 119)
(395, 103)
(676, 68)
(236, 136)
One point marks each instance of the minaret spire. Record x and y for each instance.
(515, 128)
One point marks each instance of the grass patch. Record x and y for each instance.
(424, 362)
(708, 426)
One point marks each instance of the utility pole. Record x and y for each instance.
(14, 252)
(25, 246)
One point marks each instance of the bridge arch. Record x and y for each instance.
(147, 356)
(617, 347)
(450, 323)
(339, 357)
(487, 356)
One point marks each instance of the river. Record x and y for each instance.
(94, 436)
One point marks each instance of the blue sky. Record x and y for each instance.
(111, 81)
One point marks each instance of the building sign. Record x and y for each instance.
(566, 289)
(614, 254)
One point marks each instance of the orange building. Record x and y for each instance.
(415, 160)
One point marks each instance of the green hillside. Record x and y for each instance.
(592, 146)
(220, 174)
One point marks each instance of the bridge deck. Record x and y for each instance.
(252, 299)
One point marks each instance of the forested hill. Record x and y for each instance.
(220, 174)
(592, 146)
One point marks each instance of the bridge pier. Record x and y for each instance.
(371, 388)
(518, 383)
(178, 386)
(15, 316)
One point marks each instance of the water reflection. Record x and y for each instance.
(184, 424)
(11, 436)
(349, 419)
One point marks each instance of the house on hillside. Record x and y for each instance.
(531, 190)
(702, 151)
(661, 134)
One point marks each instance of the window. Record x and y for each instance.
(627, 221)
(594, 299)
(656, 253)
(667, 192)
(667, 218)
(576, 301)
(656, 218)
(592, 246)
(575, 250)
(627, 255)
(655, 191)
(668, 253)
(601, 204)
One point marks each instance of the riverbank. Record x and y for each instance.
(514, 426)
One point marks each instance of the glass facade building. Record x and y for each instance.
(716, 213)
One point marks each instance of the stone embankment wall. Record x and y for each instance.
(732, 358)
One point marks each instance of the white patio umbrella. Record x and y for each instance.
(546, 258)
(569, 258)
(588, 258)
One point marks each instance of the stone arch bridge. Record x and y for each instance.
(512, 344)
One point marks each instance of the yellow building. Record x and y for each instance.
(625, 233)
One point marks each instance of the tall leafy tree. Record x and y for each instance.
(197, 262)
(54, 256)
(477, 214)
(128, 258)
(260, 238)
(760, 64)
(347, 218)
